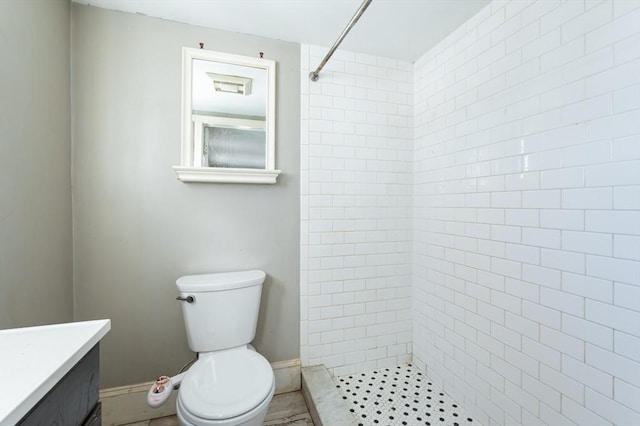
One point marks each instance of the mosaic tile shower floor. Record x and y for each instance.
(399, 395)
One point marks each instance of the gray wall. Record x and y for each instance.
(35, 186)
(136, 228)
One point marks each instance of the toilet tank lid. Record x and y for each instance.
(220, 281)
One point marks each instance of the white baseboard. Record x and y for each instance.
(287, 375)
(128, 404)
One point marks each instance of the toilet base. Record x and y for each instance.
(254, 417)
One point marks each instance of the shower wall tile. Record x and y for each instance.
(356, 211)
(526, 213)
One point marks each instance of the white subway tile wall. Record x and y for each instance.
(526, 210)
(356, 206)
(481, 211)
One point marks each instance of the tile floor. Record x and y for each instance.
(287, 409)
(400, 395)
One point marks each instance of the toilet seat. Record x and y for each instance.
(254, 417)
(226, 384)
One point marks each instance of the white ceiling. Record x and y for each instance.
(401, 29)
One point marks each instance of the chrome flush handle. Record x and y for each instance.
(188, 299)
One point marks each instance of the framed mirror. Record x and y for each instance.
(228, 118)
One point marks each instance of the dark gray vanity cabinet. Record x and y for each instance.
(73, 401)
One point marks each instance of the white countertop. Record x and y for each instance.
(34, 359)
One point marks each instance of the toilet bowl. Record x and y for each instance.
(230, 384)
(232, 387)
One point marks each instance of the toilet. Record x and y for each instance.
(230, 383)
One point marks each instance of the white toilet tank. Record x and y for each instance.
(224, 311)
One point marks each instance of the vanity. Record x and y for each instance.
(51, 374)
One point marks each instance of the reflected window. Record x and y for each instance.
(226, 147)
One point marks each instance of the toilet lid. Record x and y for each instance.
(228, 384)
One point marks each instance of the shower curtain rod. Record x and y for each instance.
(313, 75)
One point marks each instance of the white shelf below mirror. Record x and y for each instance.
(226, 175)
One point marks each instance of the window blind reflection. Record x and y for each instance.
(237, 148)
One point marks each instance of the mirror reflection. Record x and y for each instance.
(229, 107)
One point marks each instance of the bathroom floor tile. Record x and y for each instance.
(400, 395)
(164, 421)
(296, 420)
(286, 407)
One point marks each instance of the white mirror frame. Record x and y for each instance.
(188, 170)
